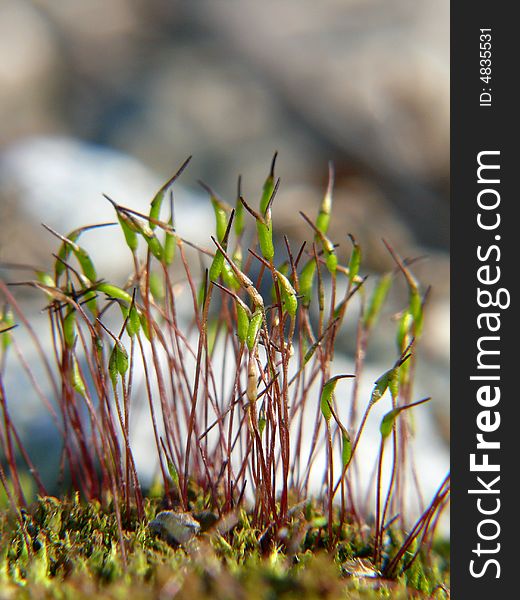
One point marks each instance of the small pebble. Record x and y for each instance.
(176, 528)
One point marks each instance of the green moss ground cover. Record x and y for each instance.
(68, 549)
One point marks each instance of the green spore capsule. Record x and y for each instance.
(45, 278)
(229, 277)
(403, 330)
(284, 282)
(118, 362)
(387, 423)
(239, 217)
(133, 324)
(87, 266)
(64, 252)
(404, 374)
(289, 300)
(268, 188)
(283, 269)
(323, 219)
(332, 262)
(112, 366)
(381, 385)
(174, 475)
(216, 266)
(325, 400)
(155, 207)
(6, 323)
(76, 380)
(156, 286)
(264, 226)
(290, 303)
(416, 310)
(254, 327)
(267, 192)
(327, 395)
(306, 281)
(129, 226)
(156, 203)
(170, 243)
(155, 247)
(354, 262)
(69, 328)
(265, 239)
(128, 231)
(262, 421)
(346, 448)
(389, 379)
(152, 241)
(122, 359)
(145, 325)
(377, 300)
(242, 323)
(114, 292)
(220, 218)
(393, 383)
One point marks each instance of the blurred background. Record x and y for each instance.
(112, 95)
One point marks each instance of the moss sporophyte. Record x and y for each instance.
(258, 486)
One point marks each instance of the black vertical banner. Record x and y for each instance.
(485, 242)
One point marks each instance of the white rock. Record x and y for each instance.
(59, 181)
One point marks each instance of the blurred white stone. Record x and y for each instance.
(59, 181)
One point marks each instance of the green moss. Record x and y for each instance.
(68, 549)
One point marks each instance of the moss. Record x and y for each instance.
(69, 549)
